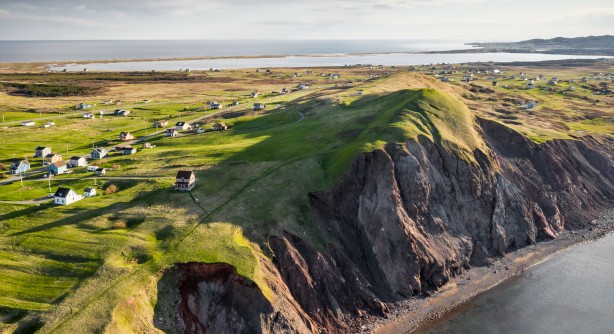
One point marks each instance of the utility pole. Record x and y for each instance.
(49, 183)
(21, 179)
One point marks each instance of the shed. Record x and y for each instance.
(89, 192)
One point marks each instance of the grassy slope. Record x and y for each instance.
(70, 264)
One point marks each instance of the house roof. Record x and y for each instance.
(59, 163)
(124, 133)
(62, 192)
(184, 174)
(99, 149)
(180, 123)
(76, 158)
(51, 155)
(40, 148)
(18, 162)
(87, 190)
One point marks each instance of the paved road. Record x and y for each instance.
(29, 173)
(36, 201)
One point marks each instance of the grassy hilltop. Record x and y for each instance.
(93, 265)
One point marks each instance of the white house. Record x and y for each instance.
(182, 126)
(89, 192)
(66, 196)
(27, 123)
(77, 161)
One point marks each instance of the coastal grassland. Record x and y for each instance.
(560, 113)
(253, 181)
(105, 253)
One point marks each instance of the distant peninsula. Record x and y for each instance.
(591, 45)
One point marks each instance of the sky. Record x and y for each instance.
(468, 20)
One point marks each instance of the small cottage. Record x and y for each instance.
(254, 94)
(128, 150)
(98, 153)
(58, 167)
(148, 145)
(66, 196)
(52, 157)
(160, 124)
(182, 126)
(41, 151)
(89, 192)
(125, 136)
(171, 132)
(77, 162)
(185, 180)
(101, 171)
(88, 115)
(19, 167)
(215, 105)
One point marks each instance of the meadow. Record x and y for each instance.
(93, 266)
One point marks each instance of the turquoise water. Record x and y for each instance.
(573, 292)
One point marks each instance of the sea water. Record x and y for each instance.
(572, 292)
(43, 51)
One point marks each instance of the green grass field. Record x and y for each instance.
(92, 266)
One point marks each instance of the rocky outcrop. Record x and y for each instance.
(400, 223)
(199, 298)
(409, 217)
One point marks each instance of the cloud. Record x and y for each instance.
(77, 21)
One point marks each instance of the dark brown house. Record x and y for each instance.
(185, 180)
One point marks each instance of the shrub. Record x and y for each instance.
(111, 189)
(119, 225)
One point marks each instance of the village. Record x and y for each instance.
(523, 91)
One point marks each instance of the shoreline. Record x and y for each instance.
(419, 312)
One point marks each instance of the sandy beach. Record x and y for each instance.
(407, 316)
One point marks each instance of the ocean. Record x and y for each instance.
(569, 293)
(231, 54)
(45, 51)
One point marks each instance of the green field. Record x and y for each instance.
(93, 266)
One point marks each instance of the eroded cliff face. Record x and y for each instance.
(200, 298)
(403, 221)
(406, 219)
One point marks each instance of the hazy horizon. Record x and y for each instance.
(467, 20)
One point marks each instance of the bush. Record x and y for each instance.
(111, 189)
(119, 225)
